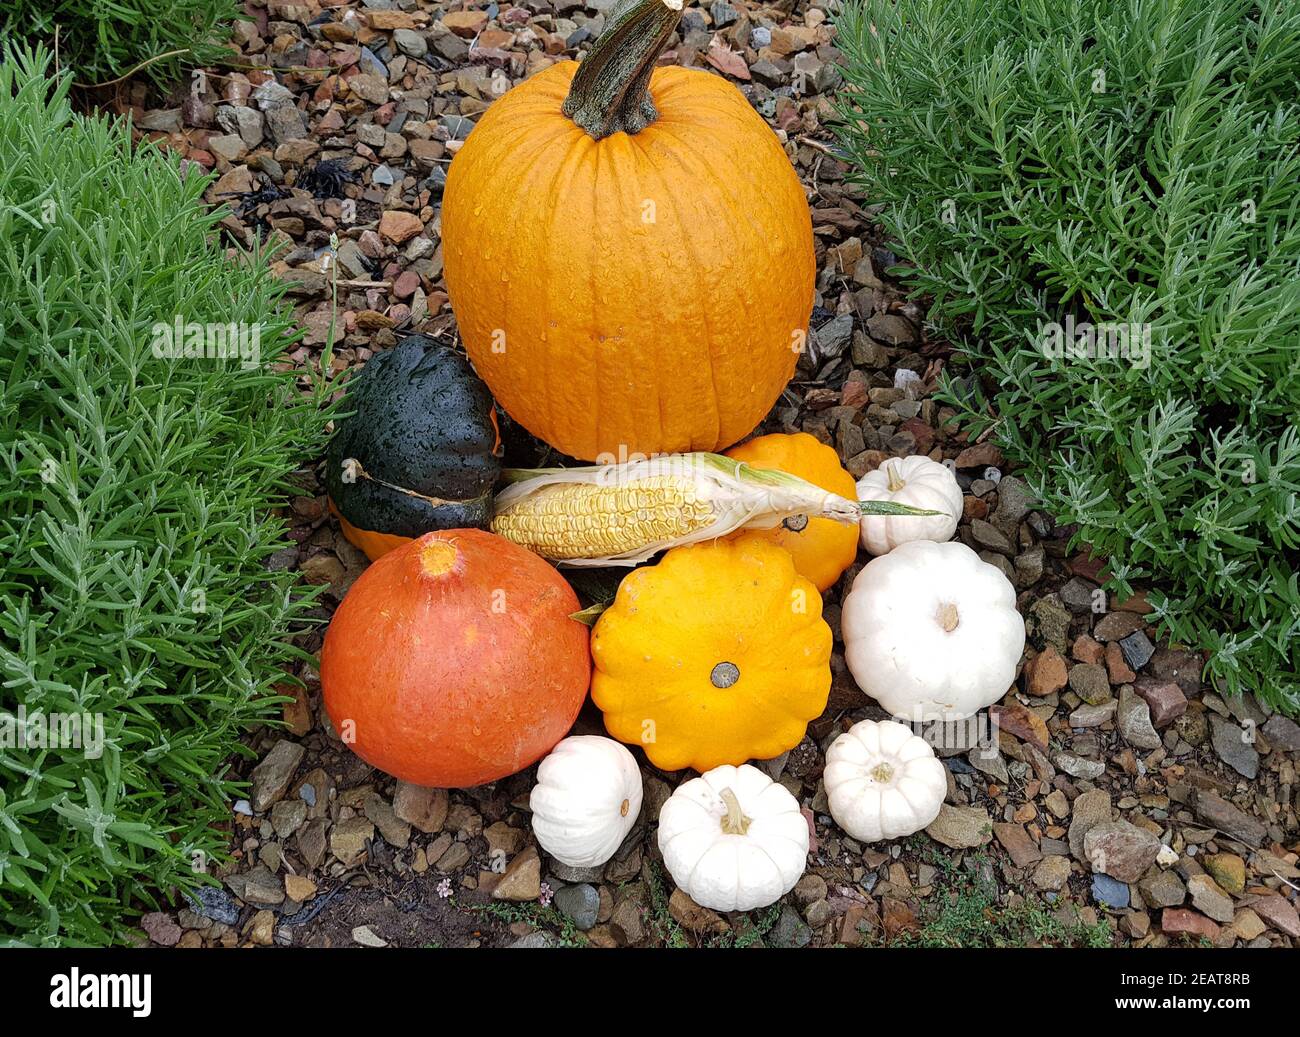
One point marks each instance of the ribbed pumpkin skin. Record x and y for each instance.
(652, 289)
(455, 675)
(824, 548)
(655, 650)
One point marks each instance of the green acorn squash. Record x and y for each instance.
(419, 451)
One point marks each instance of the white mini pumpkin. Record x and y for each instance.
(586, 800)
(883, 781)
(733, 839)
(931, 632)
(917, 481)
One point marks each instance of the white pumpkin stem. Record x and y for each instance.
(734, 821)
(948, 617)
(895, 483)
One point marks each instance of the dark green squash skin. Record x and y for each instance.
(421, 420)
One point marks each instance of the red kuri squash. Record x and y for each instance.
(453, 661)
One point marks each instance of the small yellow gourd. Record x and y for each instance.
(822, 548)
(716, 655)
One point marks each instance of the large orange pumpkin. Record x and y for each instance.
(822, 548)
(453, 660)
(628, 251)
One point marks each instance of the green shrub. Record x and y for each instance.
(1114, 163)
(98, 41)
(135, 516)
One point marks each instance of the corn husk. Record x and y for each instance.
(677, 499)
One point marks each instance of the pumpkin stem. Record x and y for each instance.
(948, 617)
(724, 675)
(734, 821)
(895, 483)
(611, 89)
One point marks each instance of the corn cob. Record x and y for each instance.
(625, 513)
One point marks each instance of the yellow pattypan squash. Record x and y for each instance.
(822, 548)
(717, 655)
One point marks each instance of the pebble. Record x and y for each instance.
(424, 808)
(1180, 920)
(1137, 649)
(1164, 889)
(1015, 499)
(299, 888)
(1078, 595)
(1227, 869)
(396, 832)
(271, 777)
(287, 816)
(1231, 743)
(1115, 626)
(348, 839)
(161, 928)
(790, 930)
(1057, 802)
(1282, 733)
(522, 879)
(687, 913)
(1278, 913)
(535, 941)
(369, 86)
(261, 929)
(961, 828)
(626, 921)
(832, 338)
(1093, 716)
(1077, 767)
(1049, 622)
(409, 42)
(1052, 873)
(1133, 718)
(580, 903)
(1046, 673)
(367, 937)
(1120, 849)
(398, 226)
(453, 858)
(1110, 892)
(1018, 843)
(568, 873)
(989, 536)
(1209, 899)
(1227, 818)
(1247, 924)
(1090, 682)
(1088, 810)
(1117, 669)
(214, 903)
(258, 886)
(810, 888)
(1165, 698)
